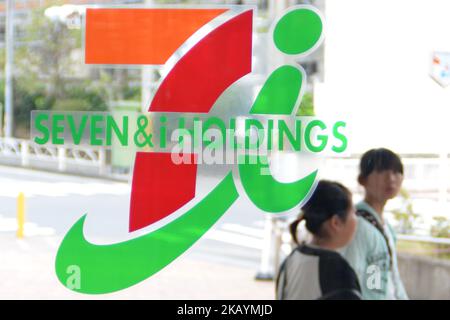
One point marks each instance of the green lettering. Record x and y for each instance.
(322, 138)
(249, 123)
(214, 121)
(96, 130)
(57, 128)
(111, 126)
(76, 136)
(163, 132)
(339, 136)
(285, 131)
(42, 128)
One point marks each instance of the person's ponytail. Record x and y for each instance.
(293, 228)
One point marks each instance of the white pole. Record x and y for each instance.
(62, 159)
(25, 153)
(266, 268)
(9, 42)
(102, 161)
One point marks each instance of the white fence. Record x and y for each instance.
(424, 174)
(56, 158)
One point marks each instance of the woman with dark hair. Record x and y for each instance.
(372, 252)
(316, 270)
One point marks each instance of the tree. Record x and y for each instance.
(47, 58)
(441, 227)
(48, 71)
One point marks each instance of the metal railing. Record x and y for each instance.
(433, 240)
(278, 243)
(424, 173)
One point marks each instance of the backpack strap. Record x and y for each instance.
(281, 270)
(280, 295)
(373, 221)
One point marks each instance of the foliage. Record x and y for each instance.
(405, 215)
(49, 73)
(307, 105)
(441, 228)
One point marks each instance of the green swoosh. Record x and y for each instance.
(268, 194)
(108, 268)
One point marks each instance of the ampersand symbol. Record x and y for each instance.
(142, 123)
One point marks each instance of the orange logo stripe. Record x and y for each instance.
(140, 36)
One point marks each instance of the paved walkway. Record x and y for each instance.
(27, 272)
